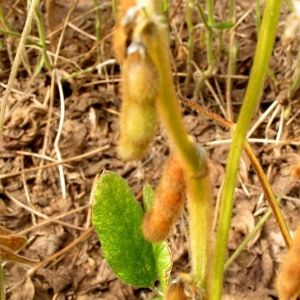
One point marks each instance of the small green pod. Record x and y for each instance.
(138, 126)
(140, 80)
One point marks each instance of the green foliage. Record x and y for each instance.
(224, 25)
(117, 218)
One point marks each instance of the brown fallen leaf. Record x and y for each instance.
(24, 290)
(11, 242)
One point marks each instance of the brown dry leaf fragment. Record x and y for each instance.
(9, 243)
(8, 255)
(243, 222)
(4, 231)
(13, 242)
(87, 297)
(216, 172)
(117, 290)
(24, 290)
(22, 127)
(104, 274)
(72, 139)
(263, 294)
(45, 246)
(59, 279)
(229, 297)
(244, 167)
(267, 264)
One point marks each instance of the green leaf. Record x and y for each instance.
(40, 65)
(117, 218)
(224, 25)
(161, 250)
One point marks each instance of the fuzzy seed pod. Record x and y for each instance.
(138, 126)
(176, 292)
(120, 40)
(168, 202)
(288, 278)
(140, 80)
(156, 226)
(138, 119)
(184, 287)
(295, 172)
(123, 31)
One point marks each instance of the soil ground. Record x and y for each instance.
(71, 114)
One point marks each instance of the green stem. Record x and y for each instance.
(231, 9)
(209, 23)
(3, 19)
(167, 104)
(257, 16)
(98, 26)
(256, 81)
(16, 34)
(42, 35)
(199, 192)
(115, 9)
(290, 5)
(190, 46)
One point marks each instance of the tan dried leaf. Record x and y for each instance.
(24, 290)
(8, 255)
(267, 264)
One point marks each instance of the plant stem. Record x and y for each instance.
(41, 30)
(190, 46)
(199, 191)
(98, 26)
(256, 81)
(16, 34)
(3, 19)
(115, 9)
(209, 22)
(255, 163)
(257, 16)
